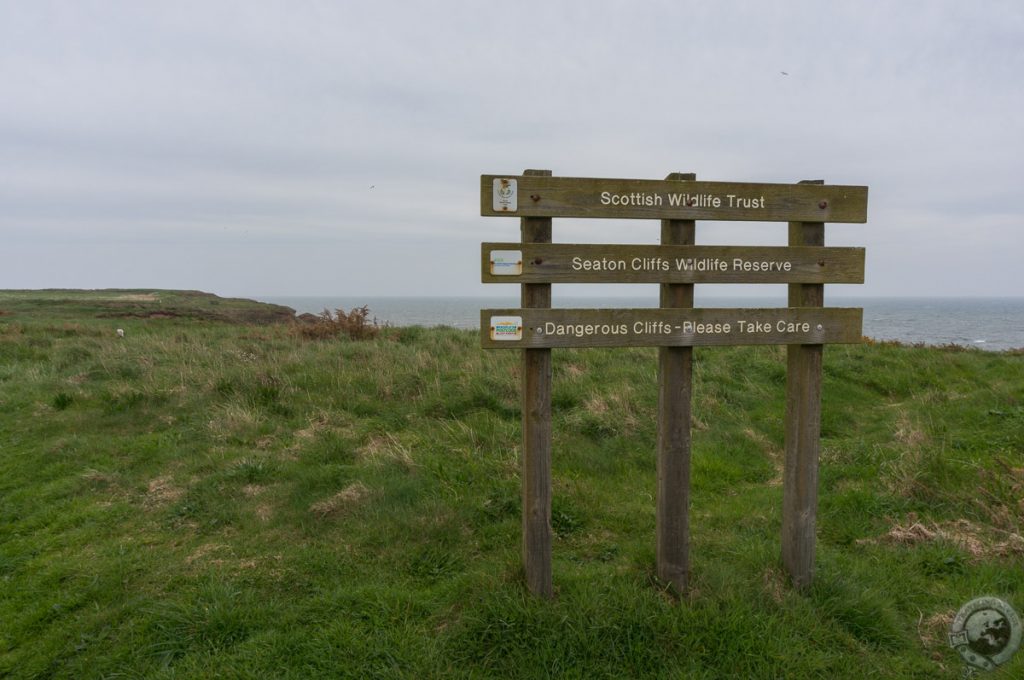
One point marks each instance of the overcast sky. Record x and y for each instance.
(334, 148)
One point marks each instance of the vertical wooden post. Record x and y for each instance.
(536, 413)
(674, 391)
(803, 425)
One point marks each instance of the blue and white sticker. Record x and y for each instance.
(505, 195)
(506, 328)
(506, 262)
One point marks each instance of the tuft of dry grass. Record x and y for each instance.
(348, 497)
(933, 632)
(235, 420)
(907, 433)
(318, 422)
(775, 454)
(902, 475)
(619, 407)
(978, 541)
(574, 371)
(205, 550)
(387, 449)
(162, 491)
(99, 479)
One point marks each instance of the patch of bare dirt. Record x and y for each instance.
(775, 584)
(205, 550)
(162, 491)
(317, 424)
(264, 511)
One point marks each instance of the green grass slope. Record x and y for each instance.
(204, 499)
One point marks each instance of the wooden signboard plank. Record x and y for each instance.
(614, 263)
(544, 196)
(522, 328)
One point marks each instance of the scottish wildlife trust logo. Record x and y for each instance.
(505, 195)
(986, 632)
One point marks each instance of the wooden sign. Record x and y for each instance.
(674, 328)
(546, 196)
(536, 328)
(590, 263)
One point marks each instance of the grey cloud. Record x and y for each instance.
(259, 128)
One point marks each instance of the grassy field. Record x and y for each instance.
(205, 498)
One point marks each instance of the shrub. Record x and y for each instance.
(62, 400)
(354, 324)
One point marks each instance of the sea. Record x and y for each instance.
(994, 324)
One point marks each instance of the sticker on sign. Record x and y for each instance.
(506, 328)
(505, 195)
(506, 262)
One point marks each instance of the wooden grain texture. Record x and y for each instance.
(666, 199)
(666, 327)
(802, 429)
(615, 263)
(536, 430)
(675, 383)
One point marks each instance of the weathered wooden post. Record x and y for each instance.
(675, 389)
(536, 418)
(803, 424)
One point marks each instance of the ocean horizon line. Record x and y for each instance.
(625, 297)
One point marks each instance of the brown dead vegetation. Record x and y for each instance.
(979, 541)
(933, 632)
(387, 449)
(162, 491)
(347, 498)
(775, 584)
(574, 370)
(354, 324)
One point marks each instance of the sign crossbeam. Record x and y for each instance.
(519, 328)
(545, 196)
(597, 263)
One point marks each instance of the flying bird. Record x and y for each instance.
(783, 73)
